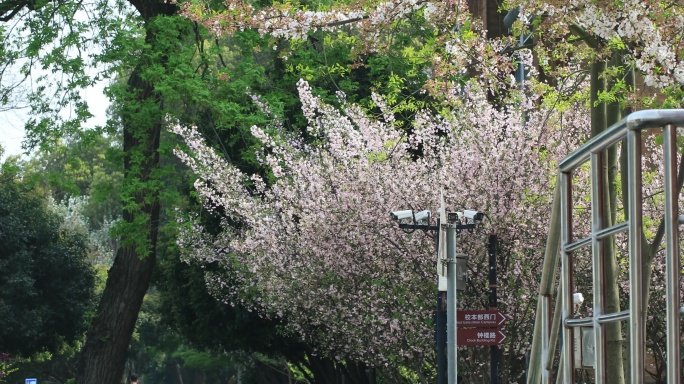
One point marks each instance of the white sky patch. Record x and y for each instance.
(12, 122)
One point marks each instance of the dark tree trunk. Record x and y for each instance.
(104, 354)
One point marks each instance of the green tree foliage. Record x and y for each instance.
(85, 166)
(162, 355)
(167, 65)
(217, 328)
(46, 286)
(262, 347)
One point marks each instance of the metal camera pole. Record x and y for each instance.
(440, 312)
(452, 223)
(452, 358)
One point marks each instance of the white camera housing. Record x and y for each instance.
(473, 216)
(422, 217)
(577, 298)
(455, 217)
(401, 215)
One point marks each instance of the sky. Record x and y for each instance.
(12, 122)
(11, 132)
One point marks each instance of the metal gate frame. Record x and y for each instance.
(593, 151)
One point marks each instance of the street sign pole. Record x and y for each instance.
(441, 337)
(493, 303)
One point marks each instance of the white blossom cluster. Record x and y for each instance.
(317, 246)
(650, 31)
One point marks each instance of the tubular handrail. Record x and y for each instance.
(627, 130)
(651, 118)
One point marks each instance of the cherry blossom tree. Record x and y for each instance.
(620, 37)
(314, 245)
(647, 31)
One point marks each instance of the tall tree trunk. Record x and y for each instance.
(177, 371)
(104, 354)
(599, 122)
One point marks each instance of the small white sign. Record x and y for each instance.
(31, 381)
(442, 283)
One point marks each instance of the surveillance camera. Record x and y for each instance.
(473, 216)
(454, 217)
(577, 298)
(402, 215)
(422, 217)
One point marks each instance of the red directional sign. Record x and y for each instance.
(483, 318)
(480, 336)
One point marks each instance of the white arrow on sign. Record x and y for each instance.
(503, 337)
(502, 317)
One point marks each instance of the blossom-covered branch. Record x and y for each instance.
(317, 246)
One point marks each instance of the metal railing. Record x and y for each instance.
(629, 132)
